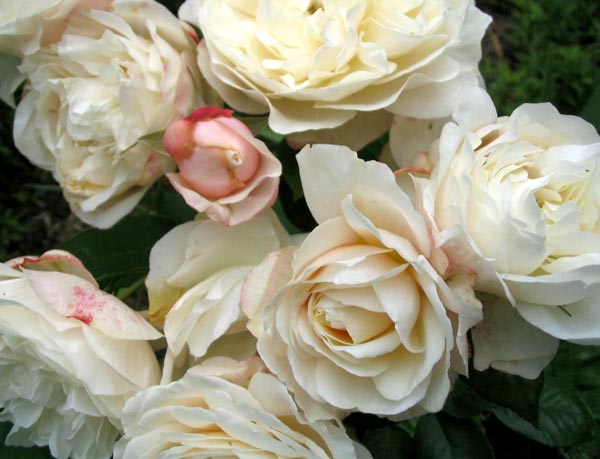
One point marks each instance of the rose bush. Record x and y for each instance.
(316, 64)
(359, 304)
(113, 78)
(517, 200)
(70, 356)
(223, 169)
(227, 408)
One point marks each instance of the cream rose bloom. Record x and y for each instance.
(359, 305)
(225, 408)
(194, 284)
(26, 25)
(517, 200)
(316, 64)
(114, 77)
(70, 356)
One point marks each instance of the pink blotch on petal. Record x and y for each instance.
(86, 302)
(209, 113)
(75, 298)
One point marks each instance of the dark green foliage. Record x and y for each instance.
(11, 452)
(542, 52)
(125, 248)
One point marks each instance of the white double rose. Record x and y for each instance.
(114, 77)
(70, 356)
(225, 408)
(194, 285)
(25, 26)
(517, 199)
(359, 305)
(316, 64)
(28, 24)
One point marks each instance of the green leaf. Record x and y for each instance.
(515, 422)
(256, 123)
(270, 136)
(119, 257)
(291, 194)
(592, 400)
(587, 450)
(501, 389)
(13, 452)
(464, 402)
(283, 218)
(389, 442)
(564, 419)
(154, 140)
(443, 437)
(291, 172)
(162, 201)
(578, 365)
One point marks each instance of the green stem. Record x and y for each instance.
(124, 292)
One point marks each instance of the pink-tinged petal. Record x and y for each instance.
(209, 113)
(54, 260)
(223, 170)
(233, 209)
(76, 298)
(209, 171)
(216, 211)
(261, 199)
(179, 140)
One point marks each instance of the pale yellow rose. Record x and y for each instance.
(357, 318)
(315, 64)
(70, 356)
(194, 284)
(114, 77)
(25, 26)
(225, 408)
(517, 201)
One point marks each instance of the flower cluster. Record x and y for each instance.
(478, 240)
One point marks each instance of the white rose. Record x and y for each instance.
(70, 356)
(316, 64)
(358, 305)
(225, 408)
(196, 274)
(28, 24)
(517, 199)
(113, 78)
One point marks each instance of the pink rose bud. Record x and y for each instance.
(223, 169)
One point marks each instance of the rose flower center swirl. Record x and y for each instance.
(535, 169)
